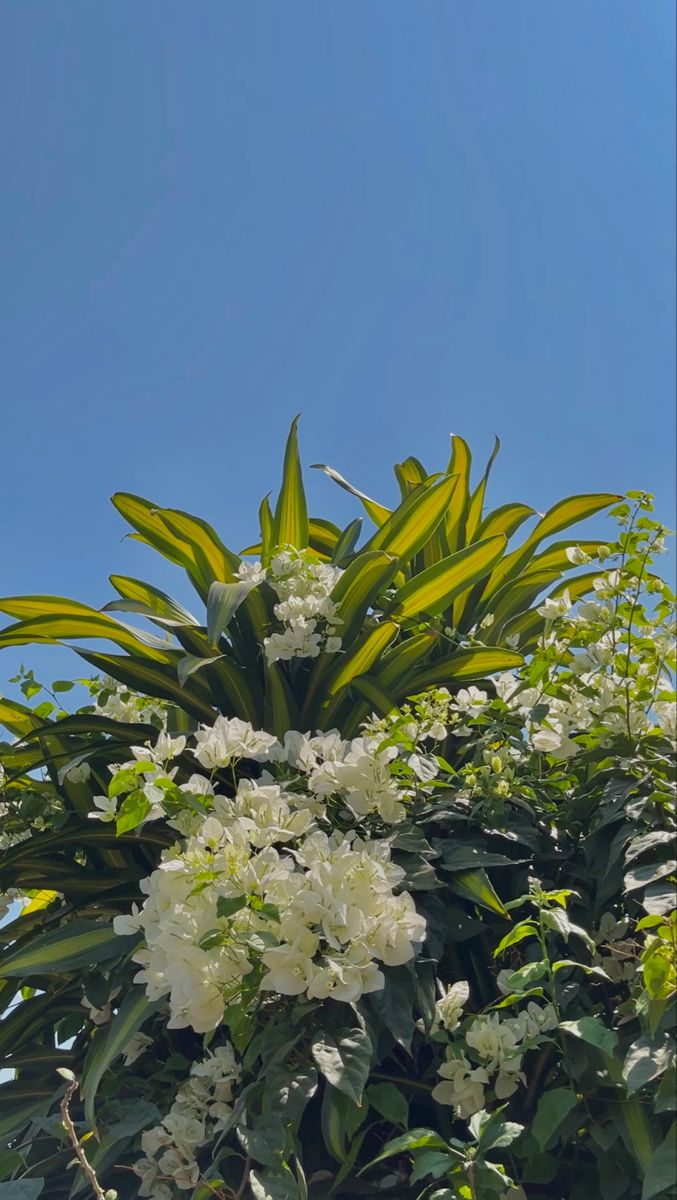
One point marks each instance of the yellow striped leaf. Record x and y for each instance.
(459, 465)
(410, 526)
(109, 1043)
(433, 589)
(291, 514)
(465, 665)
(475, 885)
(378, 513)
(66, 949)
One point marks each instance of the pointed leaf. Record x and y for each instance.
(223, 601)
(291, 514)
(411, 525)
(464, 665)
(75, 945)
(377, 512)
(475, 885)
(108, 1043)
(433, 590)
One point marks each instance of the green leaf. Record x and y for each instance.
(223, 601)
(647, 1058)
(149, 600)
(323, 537)
(413, 1139)
(362, 655)
(553, 1107)
(280, 712)
(62, 620)
(377, 512)
(347, 542)
(476, 886)
(475, 505)
(358, 589)
(648, 873)
(134, 808)
(22, 1189)
(340, 1118)
(563, 514)
(151, 679)
(265, 1139)
(410, 526)
(492, 1131)
(227, 906)
(522, 980)
(524, 930)
(77, 944)
(433, 1163)
(459, 466)
(274, 1185)
(432, 590)
(110, 1042)
(462, 666)
(291, 526)
(345, 1060)
(388, 1102)
(660, 1176)
(593, 1031)
(506, 519)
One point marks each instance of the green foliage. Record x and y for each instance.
(525, 1048)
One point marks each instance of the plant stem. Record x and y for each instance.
(402, 1081)
(74, 1141)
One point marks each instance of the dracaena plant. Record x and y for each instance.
(323, 630)
(305, 907)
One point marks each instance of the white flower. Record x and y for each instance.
(554, 607)
(80, 773)
(471, 701)
(462, 1086)
(362, 778)
(494, 1040)
(252, 572)
(128, 923)
(666, 714)
(107, 806)
(228, 739)
(577, 556)
(135, 1047)
(291, 967)
(449, 1007)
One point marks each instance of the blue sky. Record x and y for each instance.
(399, 219)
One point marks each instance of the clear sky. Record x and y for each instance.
(398, 218)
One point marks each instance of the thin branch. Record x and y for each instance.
(75, 1143)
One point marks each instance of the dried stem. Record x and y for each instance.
(74, 1141)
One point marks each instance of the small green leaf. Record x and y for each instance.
(593, 1031)
(553, 1107)
(345, 1060)
(413, 1139)
(227, 906)
(388, 1102)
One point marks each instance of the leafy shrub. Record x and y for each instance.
(427, 947)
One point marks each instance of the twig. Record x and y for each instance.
(245, 1179)
(73, 1138)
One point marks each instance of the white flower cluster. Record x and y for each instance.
(497, 1046)
(121, 704)
(305, 607)
(200, 1110)
(319, 917)
(355, 772)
